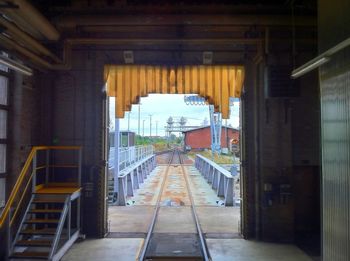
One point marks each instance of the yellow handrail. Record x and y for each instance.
(24, 170)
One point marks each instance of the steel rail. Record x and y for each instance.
(204, 246)
(155, 215)
(205, 250)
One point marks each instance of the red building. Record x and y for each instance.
(200, 138)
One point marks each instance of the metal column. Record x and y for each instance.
(116, 155)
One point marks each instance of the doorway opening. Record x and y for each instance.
(159, 124)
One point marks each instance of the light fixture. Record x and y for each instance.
(309, 66)
(128, 57)
(207, 57)
(319, 60)
(15, 65)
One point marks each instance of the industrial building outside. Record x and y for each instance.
(200, 138)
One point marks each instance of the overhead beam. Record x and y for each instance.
(142, 41)
(193, 20)
(28, 17)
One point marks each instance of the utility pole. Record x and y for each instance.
(143, 128)
(156, 128)
(150, 125)
(226, 134)
(138, 123)
(128, 121)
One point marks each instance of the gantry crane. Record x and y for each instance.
(215, 121)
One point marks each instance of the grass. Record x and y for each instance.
(160, 146)
(219, 159)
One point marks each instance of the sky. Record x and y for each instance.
(161, 107)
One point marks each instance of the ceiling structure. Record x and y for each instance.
(159, 32)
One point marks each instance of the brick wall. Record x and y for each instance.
(200, 138)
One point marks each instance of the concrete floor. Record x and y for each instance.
(219, 224)
(175, 220)
(126, 249)
(244, 250)
(106, 249)
(216, 221)
(130, 219)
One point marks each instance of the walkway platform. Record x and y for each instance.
(128, 225)
(216, 220)
(148, 192)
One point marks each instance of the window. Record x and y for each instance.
(3, 132)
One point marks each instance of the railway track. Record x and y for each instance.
(170, 246)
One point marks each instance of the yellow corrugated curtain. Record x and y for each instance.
(216, 83)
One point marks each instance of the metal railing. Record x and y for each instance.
(130, 178)
(130, 155)
(220, 179)
(37, 163)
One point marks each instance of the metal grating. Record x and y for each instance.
(335, 128)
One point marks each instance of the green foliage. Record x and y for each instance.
(159, 143)
(219, 159)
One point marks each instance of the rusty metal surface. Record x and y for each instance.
(175, 192)
(202, 192)
(164, 158)
(148, 192)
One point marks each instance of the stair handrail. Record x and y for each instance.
(60, 227)
(19, 181)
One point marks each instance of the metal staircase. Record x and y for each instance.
(111, 198)
(42, 223)
(45, 228)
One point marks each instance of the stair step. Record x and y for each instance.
(32, 243)
(44, 231)
(45, 211)
(41, 221)
(29, 254)
(49, 200)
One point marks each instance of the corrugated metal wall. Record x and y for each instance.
(335, 128)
